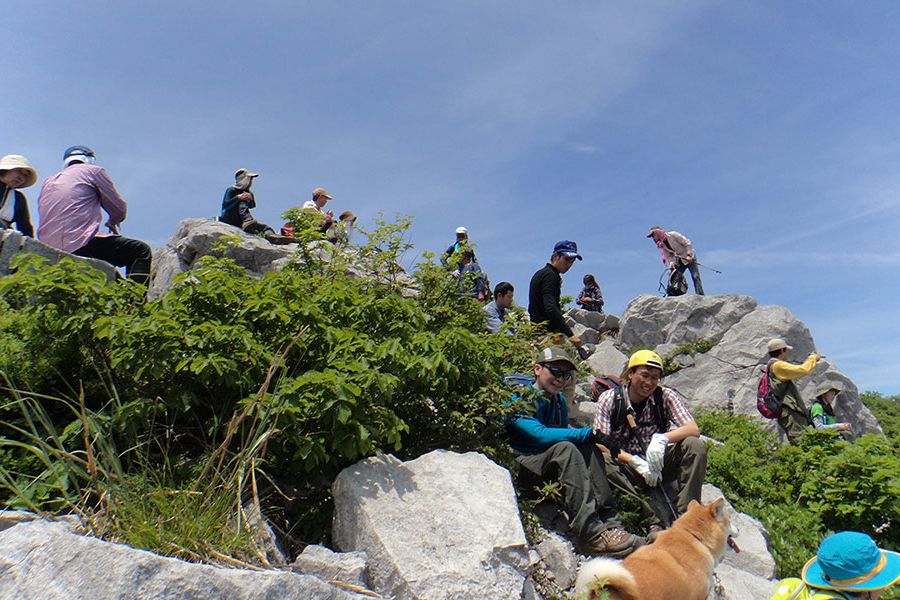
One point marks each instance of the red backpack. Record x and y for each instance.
(767, 402)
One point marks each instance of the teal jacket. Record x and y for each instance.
(548, 426)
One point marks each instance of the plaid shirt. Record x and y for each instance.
(676, 411)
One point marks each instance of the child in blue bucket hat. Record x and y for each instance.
(848, 565)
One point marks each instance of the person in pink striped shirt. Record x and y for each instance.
(71, 206)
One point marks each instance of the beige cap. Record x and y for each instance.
(320, 192)
(554, 354)
(827, 386)
(778, 344)
(17, 161)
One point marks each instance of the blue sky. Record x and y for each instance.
(767, 132)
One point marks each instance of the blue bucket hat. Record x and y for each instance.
(851, 561)
(567, 248)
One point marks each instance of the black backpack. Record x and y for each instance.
(620, 408)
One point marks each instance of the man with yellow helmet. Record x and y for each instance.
(659, 439)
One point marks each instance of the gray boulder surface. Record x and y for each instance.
(444, 525)
(726, 377)
(751, 537)
(607, 359)
(14, 244)
(47, 561)
(348, 567)
(651, 320)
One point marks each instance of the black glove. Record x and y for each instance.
(606, 440)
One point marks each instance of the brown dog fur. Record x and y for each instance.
(677, 566)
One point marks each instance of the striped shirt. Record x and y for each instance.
(676, 412)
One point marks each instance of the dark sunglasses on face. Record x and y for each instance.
(565, 374)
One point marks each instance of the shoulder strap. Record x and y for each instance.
(660, 409)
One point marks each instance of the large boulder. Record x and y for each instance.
(13, 244)
(726, 377)
(444, 525)
(751, 537)
(607, 359)
(40, 559)
(347, 567)
(195, 238)
(597, 321)
(649, 321)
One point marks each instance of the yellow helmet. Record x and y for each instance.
(647, 358)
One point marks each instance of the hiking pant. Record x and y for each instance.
(793, 423)
(695, 274)
(587, 497)
(120, 251)
(684, 468)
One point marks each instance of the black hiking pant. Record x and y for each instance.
(684, 469)
(695, 274)
(587, 497)
(119, 251)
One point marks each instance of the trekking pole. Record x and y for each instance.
(699, 264)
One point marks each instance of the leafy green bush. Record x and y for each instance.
(314, 367)
(801, 493)
(887, 410)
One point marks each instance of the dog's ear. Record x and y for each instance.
(692, 503)
(717, 508)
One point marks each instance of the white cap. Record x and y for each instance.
(462, 230)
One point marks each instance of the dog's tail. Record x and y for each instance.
(605, 574)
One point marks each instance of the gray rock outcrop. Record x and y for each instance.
(327, 565)
(41, 559)
(13, 244)
(444, 525)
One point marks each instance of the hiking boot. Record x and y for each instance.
(615, 542)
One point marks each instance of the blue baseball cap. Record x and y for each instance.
(567, 248)
(851, 561)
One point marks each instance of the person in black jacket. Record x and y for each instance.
(15, 173)
(237, 203)
(544, 291)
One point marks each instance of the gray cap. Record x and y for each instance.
(554, 354)
(777, 344)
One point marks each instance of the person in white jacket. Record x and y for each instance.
(678, 253)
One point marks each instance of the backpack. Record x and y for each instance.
(678, 285)
(768, 403)
(620, 413)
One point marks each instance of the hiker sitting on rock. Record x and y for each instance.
(638, 416)
(590, 297)
(338, 232)
(16, 173)
(453, 254)
(678, 253)
(821, 413)
(495, 311)
(847, 566)
(317, 205)
(70, 208)
(794, 418)
(546, 448)
(238, 201)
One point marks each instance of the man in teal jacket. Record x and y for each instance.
(547, 448)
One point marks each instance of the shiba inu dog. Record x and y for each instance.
(677, 566)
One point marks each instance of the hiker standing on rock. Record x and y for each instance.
(638, 416)
(70, 207)
(16, 173)
(238, 201)
(545, 288)
(794, 419)
(678, 253)
(453, 254)
(546, 448)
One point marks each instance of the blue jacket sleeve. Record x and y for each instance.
(535, 433)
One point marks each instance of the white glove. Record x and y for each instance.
(656, 451)
(650, 476)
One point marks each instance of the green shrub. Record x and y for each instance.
(301, 372)
(802, 493)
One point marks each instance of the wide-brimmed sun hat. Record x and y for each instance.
(17, 161)
(850, 561)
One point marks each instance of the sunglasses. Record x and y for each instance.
(565, 374)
